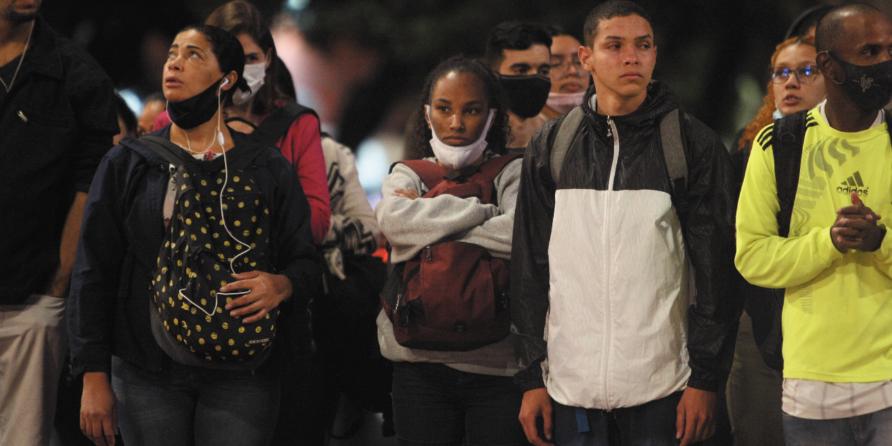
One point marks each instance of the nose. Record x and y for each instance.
(630, 55)
(792, 82)
(456, 122)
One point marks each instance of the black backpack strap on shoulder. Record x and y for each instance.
(566, 133)
(278, 122)
(888, 116)
(672, 144)
(162, 147)
(786, 138)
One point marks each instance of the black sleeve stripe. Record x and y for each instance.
(765, 135)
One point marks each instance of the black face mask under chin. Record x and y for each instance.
(868, 86)
(198, 109)
(526, 94)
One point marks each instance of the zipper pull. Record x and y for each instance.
(609, 127)
(427, 253)
(22, 116)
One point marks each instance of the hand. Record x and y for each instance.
(267, 291)
(856, 228)
(98, 419)
(695, 416)
(406, 193)
(536, 404)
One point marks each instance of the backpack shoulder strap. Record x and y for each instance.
(567, 130)
(494, 166)
(431, 173)
(163, 148)
(786, 138)
(673, 149)
(278, 122)
(888, 114)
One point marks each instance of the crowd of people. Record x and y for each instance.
(564, 255)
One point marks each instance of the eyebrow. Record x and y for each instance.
(646, 36)
(196, 47)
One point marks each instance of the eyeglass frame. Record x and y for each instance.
(566, 62)
(800, 74)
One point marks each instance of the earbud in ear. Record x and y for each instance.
(220, 139)
(225, 82)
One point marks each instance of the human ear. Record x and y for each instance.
(829, 69)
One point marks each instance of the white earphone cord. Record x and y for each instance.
(220, 140)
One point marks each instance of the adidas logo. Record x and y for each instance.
(853, 183)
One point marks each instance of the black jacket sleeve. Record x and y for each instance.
(96, 276)
(707, 216)
(529, 258)
(296, 254)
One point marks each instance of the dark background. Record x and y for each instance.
(714, 54)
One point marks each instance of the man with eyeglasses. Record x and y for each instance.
(835, 264)
(569, 80)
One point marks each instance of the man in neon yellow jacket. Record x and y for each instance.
(836, 263)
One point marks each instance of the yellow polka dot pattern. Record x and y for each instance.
(194, 263)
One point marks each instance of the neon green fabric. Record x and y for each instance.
(837, 318)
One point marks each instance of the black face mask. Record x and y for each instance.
(526, 94)
(196, 110)
(869, 86)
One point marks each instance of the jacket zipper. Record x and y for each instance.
(605, 237)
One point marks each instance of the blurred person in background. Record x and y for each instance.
(154, 105)
(126, 121)
(754, 385)
(266, 100)
(519, 53)
(569, 80)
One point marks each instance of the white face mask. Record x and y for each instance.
(254, 75)
(564, 102)
(457, 157)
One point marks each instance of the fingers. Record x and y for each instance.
(256, 316)
(247, 275)
(680, 421)
(690, 431)
(856, 200)
(238, 302)
(108, 429)
(547, 422)
(239, 285)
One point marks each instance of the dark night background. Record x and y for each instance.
(714, 54)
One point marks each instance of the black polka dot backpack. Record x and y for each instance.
(220, 225)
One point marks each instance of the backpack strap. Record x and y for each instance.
(673, 150)
(276, 125)
(566, 133)
(494, 166)
(786, 138)
(164, 148)
(431, 173)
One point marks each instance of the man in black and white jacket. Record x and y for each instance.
(618, 275)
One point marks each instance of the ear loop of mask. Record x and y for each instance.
(221, 140)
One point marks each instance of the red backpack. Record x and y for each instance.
(452, 295)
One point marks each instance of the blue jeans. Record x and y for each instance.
(651, 424)
(873, 429)
(436, 405)
(186, 406)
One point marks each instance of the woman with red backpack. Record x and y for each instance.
(449, 219)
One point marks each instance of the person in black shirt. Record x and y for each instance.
(57, 118)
